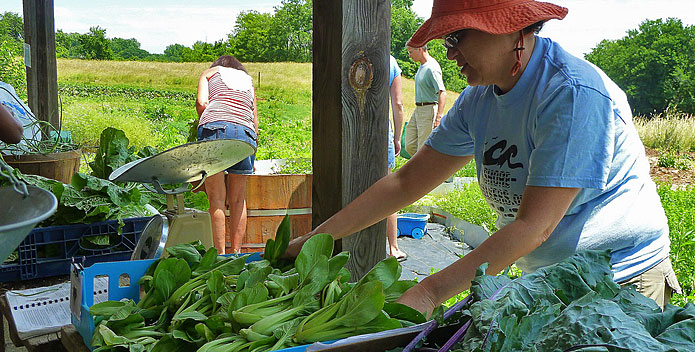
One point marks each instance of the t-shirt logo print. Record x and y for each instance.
(504, 155)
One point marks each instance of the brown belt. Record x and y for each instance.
(423, 104)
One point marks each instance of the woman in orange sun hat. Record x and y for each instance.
(557, 155)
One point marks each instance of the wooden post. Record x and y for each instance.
(42, 77)
(350, 115)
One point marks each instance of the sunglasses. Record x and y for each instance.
(451, 40)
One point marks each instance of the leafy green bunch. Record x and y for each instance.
(572, 305)
(197, 300)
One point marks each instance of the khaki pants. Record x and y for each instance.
(657, 283)
(419, 127)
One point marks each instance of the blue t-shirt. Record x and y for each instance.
(564, 124)
(394, 69)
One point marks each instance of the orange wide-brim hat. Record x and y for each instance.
(491, 16)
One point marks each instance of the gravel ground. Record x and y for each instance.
(435, 250)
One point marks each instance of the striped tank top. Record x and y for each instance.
(230, 98)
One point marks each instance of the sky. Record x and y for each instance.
(158, 23)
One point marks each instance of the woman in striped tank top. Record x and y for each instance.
(226, 106)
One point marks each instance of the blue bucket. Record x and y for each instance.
(412, 224)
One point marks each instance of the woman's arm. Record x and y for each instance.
(426, 170)
(540, 211)
(10, 129)
(201, 101)
(397, 111)
(441, 101)
(255, 116)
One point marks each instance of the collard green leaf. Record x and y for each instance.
(113, 152)
(679, 336)
(484, 286)
(593, 320)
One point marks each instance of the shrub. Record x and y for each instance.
(12, 69)
(679, 205)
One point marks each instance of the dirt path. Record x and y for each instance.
(670, 175)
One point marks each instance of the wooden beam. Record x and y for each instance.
(42, 77)
(350, 114)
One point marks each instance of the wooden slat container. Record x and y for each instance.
(268, 199)
(58, 166)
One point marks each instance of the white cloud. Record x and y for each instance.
(164, 22)
(154, 28)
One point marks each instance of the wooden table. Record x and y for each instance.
(72, 340)
(49, 342)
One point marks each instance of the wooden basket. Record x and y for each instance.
(58, 166)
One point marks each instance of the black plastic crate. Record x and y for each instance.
(47, 251)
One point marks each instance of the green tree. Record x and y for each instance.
(12, 31)
(653, 64)
(95, 45)
(200, 52)
(68, 45)
(291, 29)
(175, 52)
(404, 23)
(12, 68)
(249, 40)
(451, 73)
(127, 49)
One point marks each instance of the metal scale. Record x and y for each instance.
(24, 207)
(179, 165)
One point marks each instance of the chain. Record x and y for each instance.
(7, 172)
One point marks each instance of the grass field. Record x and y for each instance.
(154, 102)
(671, 130)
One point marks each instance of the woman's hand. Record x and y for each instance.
(419, 298)
(295, 246)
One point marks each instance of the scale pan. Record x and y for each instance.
(185, 163)
(20, 214)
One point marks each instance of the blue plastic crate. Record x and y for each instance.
(47, 251)
(134, 270)
(412, 224)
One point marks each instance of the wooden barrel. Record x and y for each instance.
(58, 166)
(268, 199)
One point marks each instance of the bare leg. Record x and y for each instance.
(236, 198)
(392, 234)
(215, 189)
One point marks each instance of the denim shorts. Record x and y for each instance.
(229, 130)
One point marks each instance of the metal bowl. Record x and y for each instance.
(20, 214)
